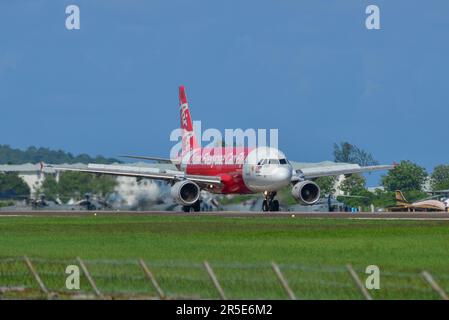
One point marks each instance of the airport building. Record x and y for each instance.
(33, 174)
(129, 189)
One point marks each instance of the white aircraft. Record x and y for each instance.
(261, 170)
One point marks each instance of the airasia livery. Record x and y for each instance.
(229, 170)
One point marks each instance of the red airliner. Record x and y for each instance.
(229, 170)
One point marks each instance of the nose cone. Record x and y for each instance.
(282, 176)
(268, 177)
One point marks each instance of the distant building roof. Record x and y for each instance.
(35, 167)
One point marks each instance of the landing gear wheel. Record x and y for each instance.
(196, 207)
(269, 204)
(265, 206)
(274, 205)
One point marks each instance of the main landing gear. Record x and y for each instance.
(196, 207)
(269, 204)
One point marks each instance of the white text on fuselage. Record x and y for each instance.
(214, 157)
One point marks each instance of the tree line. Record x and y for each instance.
(74, 185)
(70, 185)
(33, 154)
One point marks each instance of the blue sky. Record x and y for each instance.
(309, 68)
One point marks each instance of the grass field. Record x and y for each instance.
(300, 246)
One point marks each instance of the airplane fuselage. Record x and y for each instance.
(241, 170)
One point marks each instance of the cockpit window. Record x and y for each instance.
(274, 161)
(261, 162)
(283, 161)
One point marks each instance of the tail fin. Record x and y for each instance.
(188, 139)
(400, 198)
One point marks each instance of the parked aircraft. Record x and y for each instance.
(423, 205)
(251, 170)
(25, 202)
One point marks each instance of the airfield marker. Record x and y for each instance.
(359, 283)
(150, 276)
(89, 278)
(214, 280)
(429, 279)
(283, 281)
(36, 275)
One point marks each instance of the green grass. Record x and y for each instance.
(240, 250)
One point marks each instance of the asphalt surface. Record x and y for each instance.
(240, 214)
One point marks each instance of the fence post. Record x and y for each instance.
(89, 278)
(283, 281)
(150, 276)
(429, 279)
(36, 275)
(359, 283)
(214, 280)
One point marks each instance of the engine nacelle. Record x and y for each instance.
(185, 192)
(306, 192)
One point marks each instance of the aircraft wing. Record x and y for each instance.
(327, 168)
(140, 172)
(155, 159)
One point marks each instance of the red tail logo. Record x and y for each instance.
(188, 140)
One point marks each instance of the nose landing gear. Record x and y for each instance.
(269, 204)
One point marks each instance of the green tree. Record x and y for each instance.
(34, 155)
(346, 152)
(415, 195)
(353, 184)
(12, 185)
(439, 180)
(49, 187)
(406, 176)
(103, 185)
(362, 198)
(356, 195)
(326, 185)
(383, 199)
(76, 184)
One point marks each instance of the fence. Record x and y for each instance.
(26, 278)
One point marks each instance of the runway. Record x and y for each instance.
(238, 214)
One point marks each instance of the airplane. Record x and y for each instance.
(423, 205)
(27, 203)
(262, 170)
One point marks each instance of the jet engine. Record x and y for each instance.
(306, 192)
(185, 192)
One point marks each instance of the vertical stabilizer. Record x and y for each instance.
(188, 139)
(400, 198)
